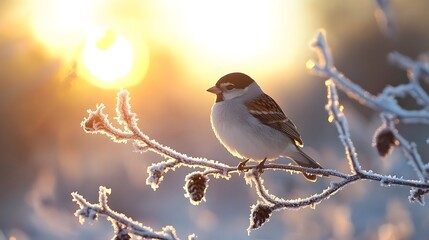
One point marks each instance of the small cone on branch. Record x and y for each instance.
(196, 185)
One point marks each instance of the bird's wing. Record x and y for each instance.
(266, 110)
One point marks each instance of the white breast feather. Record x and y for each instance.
(243, 135)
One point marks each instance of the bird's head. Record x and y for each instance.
(235, 85)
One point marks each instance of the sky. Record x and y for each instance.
(60, 58)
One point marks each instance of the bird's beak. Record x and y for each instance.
(214, 90)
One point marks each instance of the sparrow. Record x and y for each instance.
(252, 126)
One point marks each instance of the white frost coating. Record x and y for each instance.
(385, 102)
(155, 176)
(192, 237)
(250, 176)
(336, 114)
(120, 221)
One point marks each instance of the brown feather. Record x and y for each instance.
(266, 110)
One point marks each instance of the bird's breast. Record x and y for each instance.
(243, 135)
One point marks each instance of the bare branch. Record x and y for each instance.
(335, 111)
(391, 113)
(383, 102)
(121, 223)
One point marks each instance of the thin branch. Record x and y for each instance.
(176, 159)
(391, 113)
(416, 71)
(382, 102)
(88, 211)
(386, 101)
(409, 149)
(335, 112)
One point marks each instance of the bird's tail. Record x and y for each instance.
(304, 160)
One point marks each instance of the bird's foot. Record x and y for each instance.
(241, 166)
(260, 166)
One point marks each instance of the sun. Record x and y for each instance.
(107, 55)
(94, 35)
(108, 60)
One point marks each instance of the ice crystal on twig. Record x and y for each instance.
(418, 195)
(385, 103)
(124, 226)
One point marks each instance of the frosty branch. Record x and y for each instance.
(391, 113)
(386, 137)
(123, 226)
(386, 101)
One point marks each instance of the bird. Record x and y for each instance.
(252, 126)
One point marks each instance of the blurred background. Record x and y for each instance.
(59, 58)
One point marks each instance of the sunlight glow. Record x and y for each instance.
(107, 56)
(240, 35)
(61, 23)
(112, 56)
(236, 29)
(109, 60)
(207, 38)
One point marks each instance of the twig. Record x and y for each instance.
(383, 102)
(123, 224)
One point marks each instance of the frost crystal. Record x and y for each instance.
(418, 195)
(385, 182)
(86, 213)
(155, 176)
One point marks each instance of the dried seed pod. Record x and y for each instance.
(94, 123)
(384, 141)
(260, 213)
(196, 185)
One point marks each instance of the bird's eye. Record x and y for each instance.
(230, 87)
